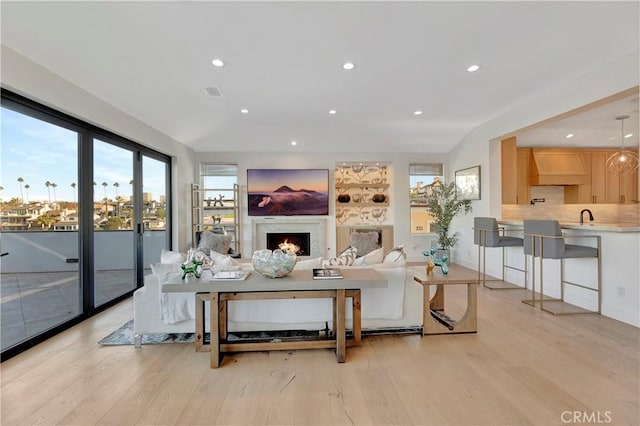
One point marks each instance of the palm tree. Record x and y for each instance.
(20, 180)
(117, 185)
(48, 185)
(53, 185)
(106, 210)
(1, 189)
(26, 190)
(73, 185)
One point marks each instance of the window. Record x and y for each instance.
(422, 177)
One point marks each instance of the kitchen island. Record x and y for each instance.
(620, 263)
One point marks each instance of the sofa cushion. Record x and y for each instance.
(214, 242)
(346, 258)
(364, 242)
(371, 258)
(396, 255)
(308, 264)
(168, 256)
(165, 268)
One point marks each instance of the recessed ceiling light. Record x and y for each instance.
(569, 136)
(417, 112)
(628, 135)
(294, 143)
(333, 111)
(473, 68)
(217, 62)
(348, 66)
(244, 111)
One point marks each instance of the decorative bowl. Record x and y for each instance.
(276, 264)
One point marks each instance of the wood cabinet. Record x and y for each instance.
(603, 187)
(523, 189)
(515, 172)
(509, 162)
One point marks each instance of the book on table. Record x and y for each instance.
(327, 274)
(229, 275)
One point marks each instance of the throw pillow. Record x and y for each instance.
(346, 258)
(371, 258)
(214, 242)
(365, 242)
(168, 256)
(396, 255)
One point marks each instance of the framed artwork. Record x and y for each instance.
(287, 192)
(468, 183)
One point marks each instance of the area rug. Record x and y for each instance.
(124, 336)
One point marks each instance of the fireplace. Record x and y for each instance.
(302, 240)
(313, 227)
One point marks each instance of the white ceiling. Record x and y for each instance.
(283, 63)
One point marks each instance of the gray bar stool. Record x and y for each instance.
(544, 239)
(487, 234)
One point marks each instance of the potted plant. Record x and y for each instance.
(443, 204)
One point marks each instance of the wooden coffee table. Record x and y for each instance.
(434, 319)
(297, 285)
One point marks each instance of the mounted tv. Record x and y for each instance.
(287, 192)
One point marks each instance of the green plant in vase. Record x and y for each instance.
(443, 204)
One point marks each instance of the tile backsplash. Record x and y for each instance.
(554, 208)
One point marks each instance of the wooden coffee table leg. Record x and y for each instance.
(214, 329)
(357, 317)
(201, 299)
(340, 327)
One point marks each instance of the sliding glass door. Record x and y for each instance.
(40, 284)
(114, 219)
(83, 212)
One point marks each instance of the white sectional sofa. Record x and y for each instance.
(399, 306)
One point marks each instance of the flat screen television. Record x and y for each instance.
(287, 192)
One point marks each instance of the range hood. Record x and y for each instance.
(557, 167)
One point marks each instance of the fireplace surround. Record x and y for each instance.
(312, 226)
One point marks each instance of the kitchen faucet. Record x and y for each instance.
(590, 215)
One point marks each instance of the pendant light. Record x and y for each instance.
(622, 162)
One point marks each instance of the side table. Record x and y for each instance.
(434, 319)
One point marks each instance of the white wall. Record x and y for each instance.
(481, 145)
(29, 79)
(399, 191)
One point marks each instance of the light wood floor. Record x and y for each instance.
(524, 367)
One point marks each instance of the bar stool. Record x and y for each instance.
(487, 234)
(544, 239)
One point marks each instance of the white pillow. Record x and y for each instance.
(370, 258)
(346, 258)
(218, 258)
(396, 255)
(168, 256)
(308, 264)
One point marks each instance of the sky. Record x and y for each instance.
(38, 152)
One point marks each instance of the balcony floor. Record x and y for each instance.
(31, 303)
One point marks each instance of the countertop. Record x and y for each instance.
(587, 226)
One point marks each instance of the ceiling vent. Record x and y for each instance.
(213, 91)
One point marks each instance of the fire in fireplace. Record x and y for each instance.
(302, 240)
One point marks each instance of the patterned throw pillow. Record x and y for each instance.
(365, 242)
(216, 242)
(396, 255)
(346, 258)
